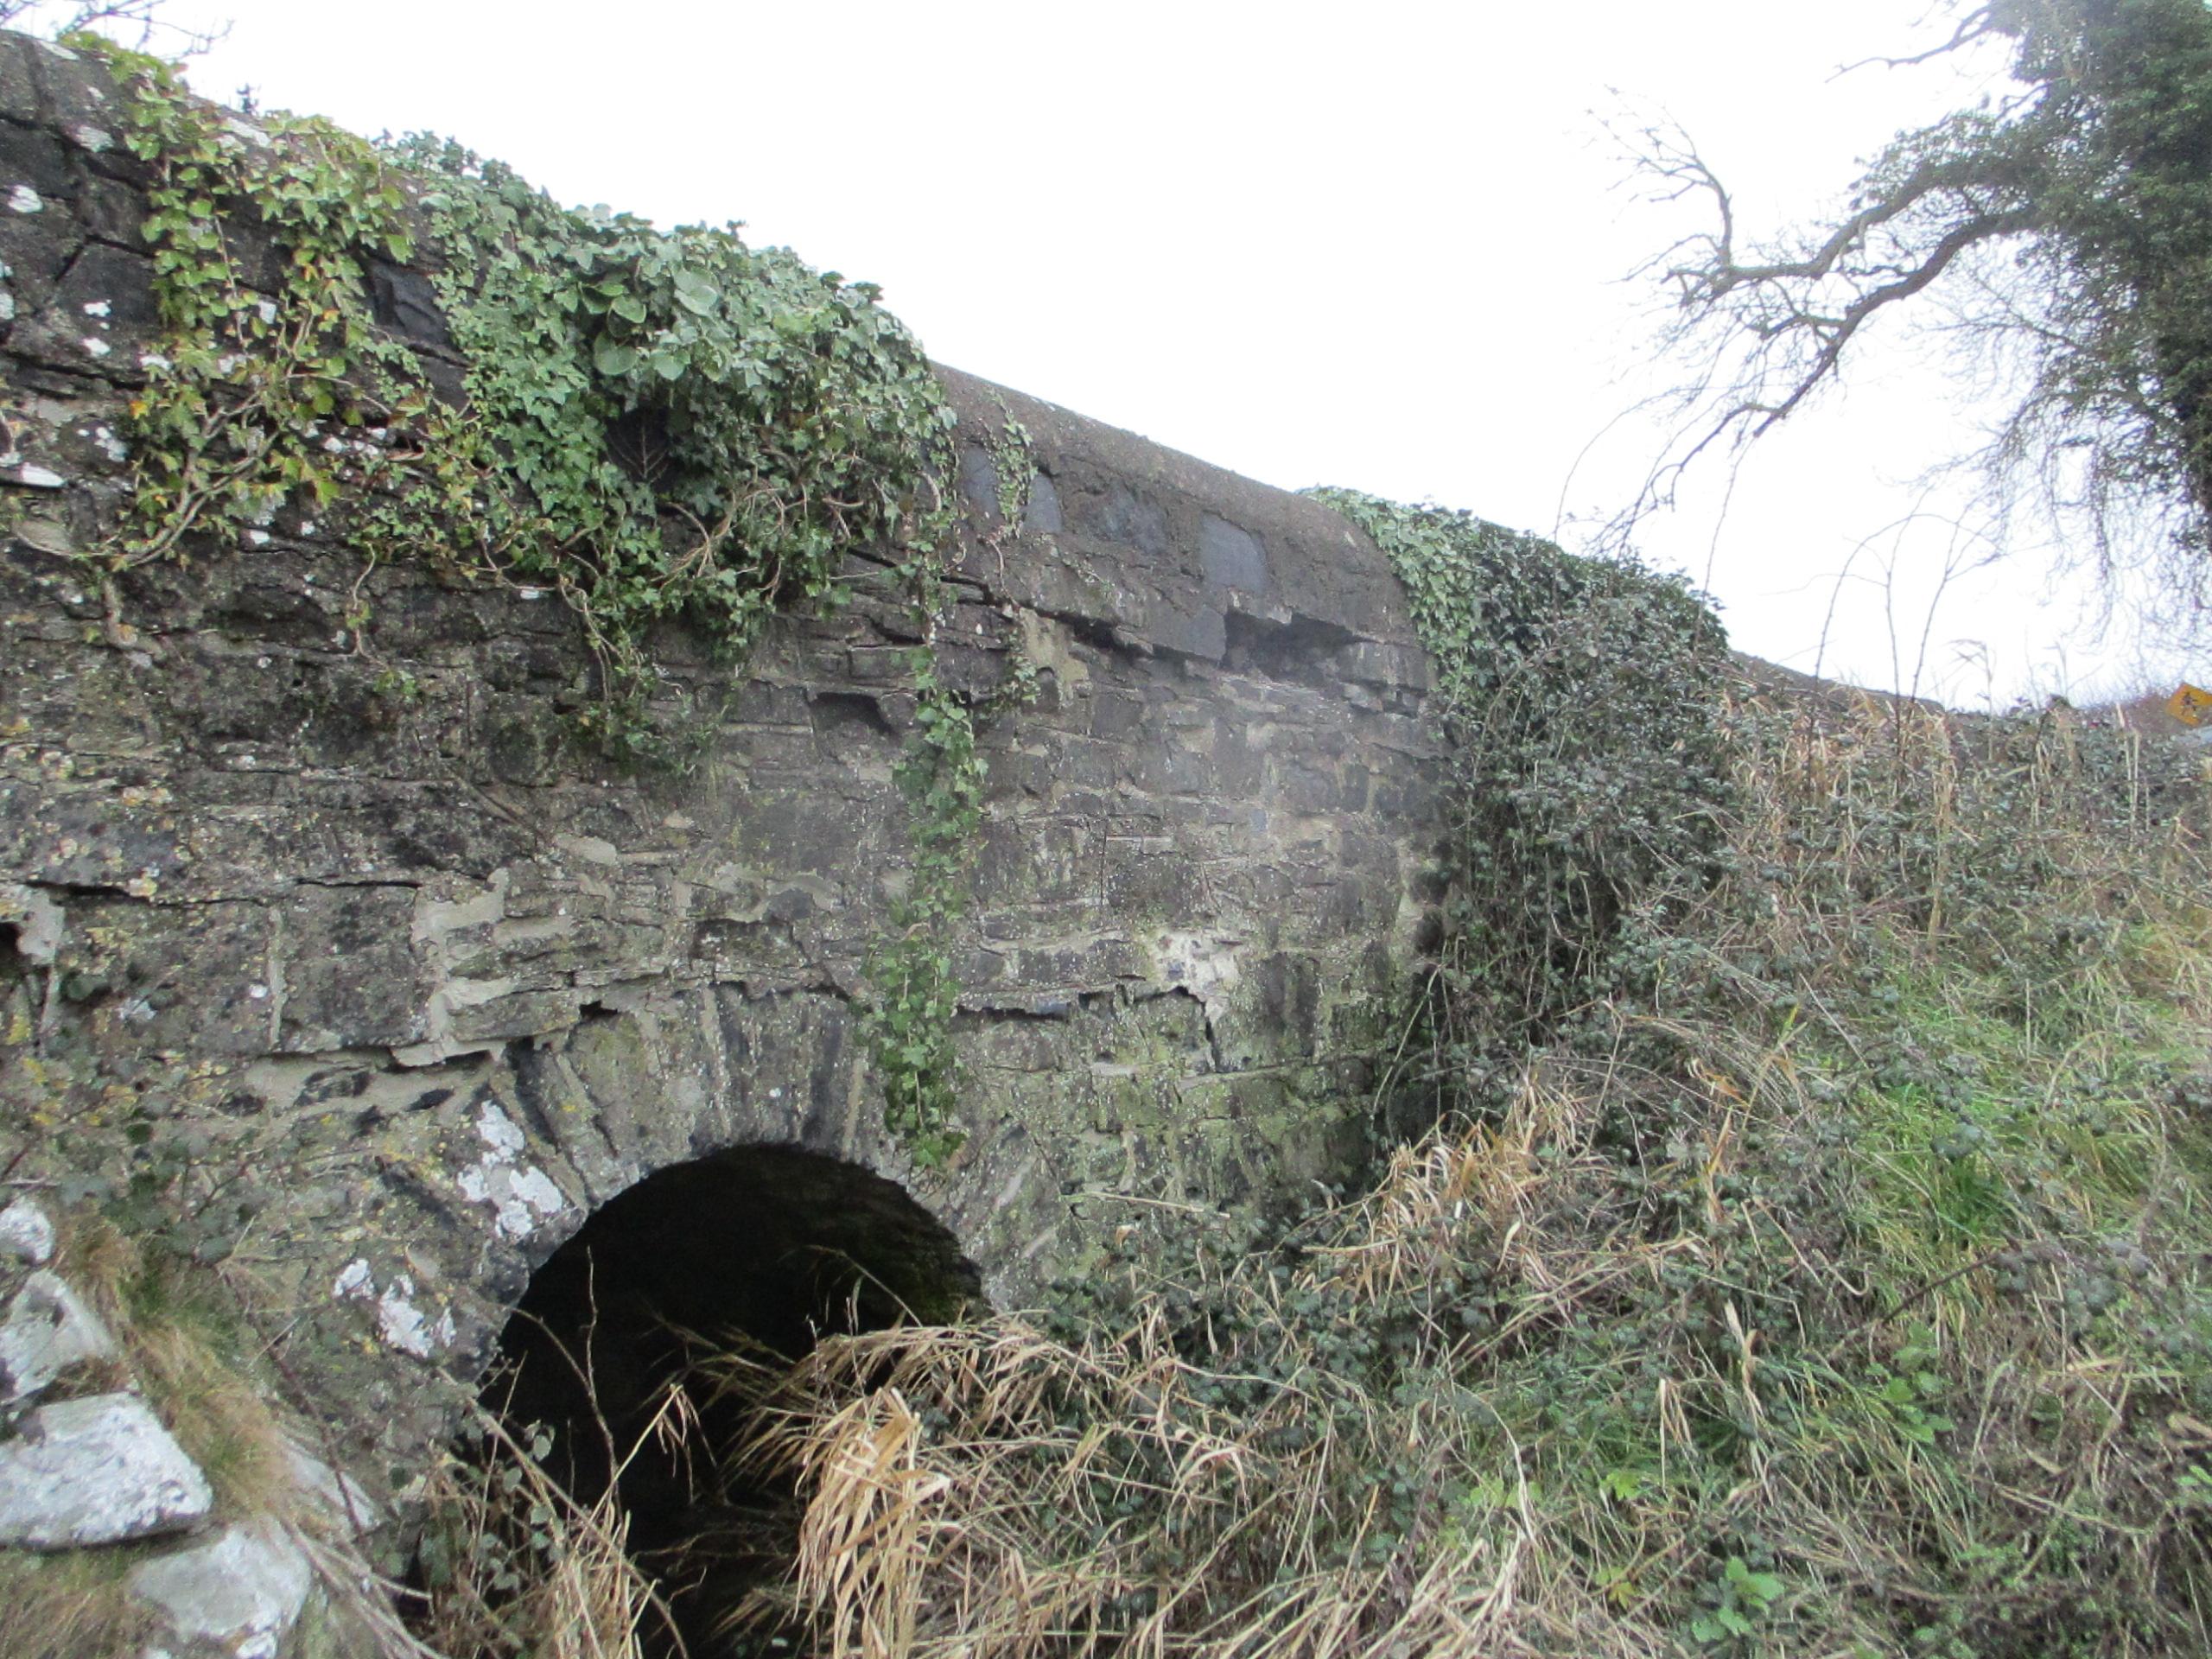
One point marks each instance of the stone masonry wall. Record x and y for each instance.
(408, 984)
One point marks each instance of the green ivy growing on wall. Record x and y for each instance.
(688, 427)
(659, 426)
(261, 370)
(1580, 701)
(915, 982)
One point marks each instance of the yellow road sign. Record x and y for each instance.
(2191, 704)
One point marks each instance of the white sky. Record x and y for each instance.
(1379, 246)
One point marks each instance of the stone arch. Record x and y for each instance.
(759, 1247)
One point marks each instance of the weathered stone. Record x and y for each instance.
(26, 1233)
(48, 1332)
(237, 1594)
(97, 1470)
(337, 1499)
(278, 923)
(1230, 556)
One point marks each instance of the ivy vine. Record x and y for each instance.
(658, 425)
(272, 386)
(1578, 698)
(688, 427)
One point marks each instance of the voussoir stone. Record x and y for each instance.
(96, 1470)
(48, 1332)
(236, 1594)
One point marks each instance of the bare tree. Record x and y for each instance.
(2059, 236)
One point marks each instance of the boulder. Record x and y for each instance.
(26, 1234)
(96, 1470)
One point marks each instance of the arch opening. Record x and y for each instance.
(760, 1249)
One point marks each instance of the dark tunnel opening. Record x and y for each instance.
(767, 1248)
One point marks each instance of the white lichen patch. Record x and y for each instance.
(95, 346)
(400, 1322)
(404, 1327)
(24, 200)
(1201, 963)
(91, 137)
(99, 308)
(523, 1197)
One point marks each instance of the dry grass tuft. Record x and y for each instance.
(513, 1564)
(68, 1605)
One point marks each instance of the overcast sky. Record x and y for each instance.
(1380, 245)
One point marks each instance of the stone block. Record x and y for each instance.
(1200, 630)
(97, 1470)
(26, 1234)
(351, 978)
(150, 979)
(1044, 514)
(238, 1593)
(101, 316)
(34, 158)
(18, 91)
(48, 1332)
(1119, 512)
(1230, 556)
(74, 92)
(1037, 861)
(36, 247)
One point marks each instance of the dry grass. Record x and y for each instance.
(512, 1563)
(187, 1346)
(69, 1606)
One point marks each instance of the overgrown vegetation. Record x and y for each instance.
(1808, 1252)
(660, 425)
(1579, 702)
(187, 1344)
(1826, 1271)
(689, 427)
(511, 1564)
(1835, 1283)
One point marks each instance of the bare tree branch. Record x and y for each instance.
(2059, 238)
(135, 24)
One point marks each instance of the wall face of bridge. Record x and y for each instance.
(392, 990)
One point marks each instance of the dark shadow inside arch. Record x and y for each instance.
(762, 1248)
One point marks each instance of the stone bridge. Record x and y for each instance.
(356, 947)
